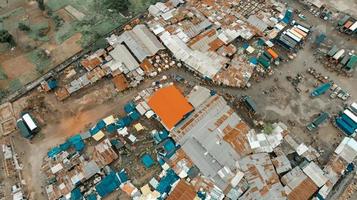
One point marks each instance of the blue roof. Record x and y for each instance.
(94, 130)
(101, 124)
(91, 196)
(166, 182)
(245, 45)
(123, 176)
(349, 121)
(111, 128)
(76, 194)
(108, 184)
(147, 160)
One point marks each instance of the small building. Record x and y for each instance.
(316, 174)
(347, 149)
(182, 191)
(147, 160)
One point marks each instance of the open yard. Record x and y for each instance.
(62, 30)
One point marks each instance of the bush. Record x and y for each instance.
(24, 27)
(6, 37)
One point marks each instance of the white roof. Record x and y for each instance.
(56, 168)
(109, 120)
(347, 149)
(29, 122)
(301, 149)
(237, 178)
(123, 131)
(350, 115)
(121, 54)
(315, 173)
(132, 138)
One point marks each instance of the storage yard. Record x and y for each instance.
(197, 92)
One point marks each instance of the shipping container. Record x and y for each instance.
(284, 43)
(352, 63)
(321, 89)
(333, 50)
(267, 55)
(345, 59)
(339, 54)
(296, 34)
(352, 116)
(348, 24)
(303, 29)
(343, 20)
(305, 25)
(354, 26)
(344, 126)
(290, 40)
(292, 36)
(31, 124)
(353, 108)
(272, 53)
(349, 121)
(299, 31)
(265, 63)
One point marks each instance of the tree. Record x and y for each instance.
(6, 37)
(24, 27)
(118, 5)
(41, 4)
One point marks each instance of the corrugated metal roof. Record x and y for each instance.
(121, 54)
(316, 174)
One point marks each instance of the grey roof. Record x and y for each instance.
(201, 137)
(198, 95)
(148, 39)
(121, 54)
(316, 174)
(261, 175)
(258, 23)
(90, 169)
(141, 42)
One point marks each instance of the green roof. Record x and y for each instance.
(23, 129)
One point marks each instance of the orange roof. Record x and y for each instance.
(182, 191)
(170, 105)
(120, 82)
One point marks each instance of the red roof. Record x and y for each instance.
(170, 105)
(182, 191)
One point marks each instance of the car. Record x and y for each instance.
(341, 94)
(333, 95)
(345, 96)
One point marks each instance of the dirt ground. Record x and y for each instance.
(347, 6)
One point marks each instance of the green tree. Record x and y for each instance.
(41, 4)
(118, 5)
(23, 27)
(6, 37)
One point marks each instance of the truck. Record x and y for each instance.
(303, 28)
(318, 121)
(250, 103)
(273, 54)
(290, 41)
(321, 89)
(265, 63)
(292, 36)
(352, 63)
(299, 31)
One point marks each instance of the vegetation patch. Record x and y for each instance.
(15, 85)
(3, 75)
(41, 59)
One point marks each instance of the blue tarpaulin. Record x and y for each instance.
(129, 107)
(288, 17)
(253, 60)
(77, 142)
(108, 184)
(147, 160)
(166, 182)
(135, 115)
(53, 152)
(76, 194)
(52, 84)
(245, 45)
(123, 176)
